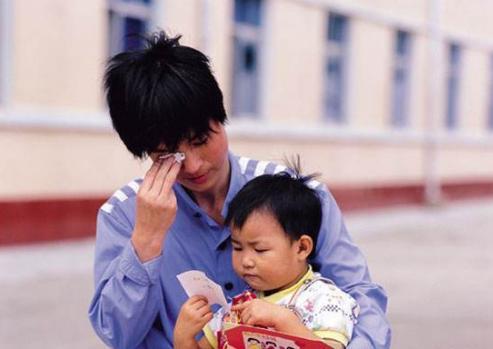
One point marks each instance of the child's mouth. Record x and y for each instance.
(250, 276)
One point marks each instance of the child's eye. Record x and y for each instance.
(236, 248)
(261, 250)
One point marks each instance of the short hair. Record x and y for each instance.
(287, 197)
(162, 94)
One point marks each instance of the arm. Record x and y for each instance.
(258, 312)
(127, 262)
(342, 261)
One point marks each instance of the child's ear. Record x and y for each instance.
(305, 247)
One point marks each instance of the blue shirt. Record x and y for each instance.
(135, 305)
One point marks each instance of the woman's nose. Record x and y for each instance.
(192, 163)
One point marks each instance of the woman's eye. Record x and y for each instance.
(200, 141)
(260, 250)
(236, 248)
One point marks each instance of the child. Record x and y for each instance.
(275, 220)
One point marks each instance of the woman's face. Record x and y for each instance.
(206, 166)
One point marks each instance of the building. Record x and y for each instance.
(392, 101)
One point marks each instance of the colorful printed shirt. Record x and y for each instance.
(326, 310)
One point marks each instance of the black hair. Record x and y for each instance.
(163, 94)
(287, 197)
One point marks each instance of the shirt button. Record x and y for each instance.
(228, 286)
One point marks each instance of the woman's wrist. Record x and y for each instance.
(146, 248)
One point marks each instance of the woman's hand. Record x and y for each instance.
(156, 208)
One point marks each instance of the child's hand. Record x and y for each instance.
(258, 312)
(194, 315)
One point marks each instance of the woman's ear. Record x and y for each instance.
(305, 247)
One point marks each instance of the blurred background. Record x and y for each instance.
(391, 100)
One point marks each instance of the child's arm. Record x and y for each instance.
(194, 315)
(258, 312)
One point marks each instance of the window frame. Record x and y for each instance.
(453, 85)
(6, 49)
(489, 116)
(336, 50)
(117, 12)
(401, 90)
(247, 33)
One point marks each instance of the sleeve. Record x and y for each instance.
(340, 260)
(127, 292)
(328, 311)
(213, 327)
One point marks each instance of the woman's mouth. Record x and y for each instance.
(198, 179)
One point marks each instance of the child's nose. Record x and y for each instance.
(248, 262)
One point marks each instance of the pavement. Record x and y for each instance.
(434, 263)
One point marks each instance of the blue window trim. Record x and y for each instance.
(248, 12)
(454, 59)
(246, 60)
(122, 14)
(337, 39)
(489, 121)
(401, 79)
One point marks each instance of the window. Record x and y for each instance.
(401, 77)
(335, 69)
(127, 20)
(248, 18)
(3, 50)
(2, 53)
(490, 107)
(453, 86)
(6, 51)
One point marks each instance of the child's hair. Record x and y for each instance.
(287, 197)
(163, 94)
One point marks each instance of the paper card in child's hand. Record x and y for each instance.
(196, 283)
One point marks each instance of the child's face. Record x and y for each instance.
(264, 256)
